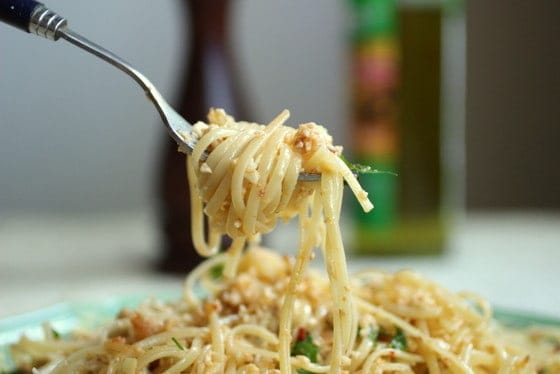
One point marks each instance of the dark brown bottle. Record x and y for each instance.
(210, 80)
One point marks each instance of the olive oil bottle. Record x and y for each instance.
(396, 127)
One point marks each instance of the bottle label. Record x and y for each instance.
(375, 108)
(396, 126)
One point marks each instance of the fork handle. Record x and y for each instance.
(18, 12)
(33, 17)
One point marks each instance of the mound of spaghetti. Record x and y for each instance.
(253, 311)
(406, 324)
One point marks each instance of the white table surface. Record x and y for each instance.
(511, 259)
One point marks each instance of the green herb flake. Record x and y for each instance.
(373, 334)
(217, 271)
(55, 334)
(179, 345)
(304, 346)
(364, 169)
(399, 341)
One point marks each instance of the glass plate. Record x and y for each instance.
(66, 317)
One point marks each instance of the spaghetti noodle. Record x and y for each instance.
(250, 178)
(406, 324)
(255, 312)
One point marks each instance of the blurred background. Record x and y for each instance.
(77, 135)
(459, 98)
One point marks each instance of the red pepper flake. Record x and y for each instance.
(301, 334)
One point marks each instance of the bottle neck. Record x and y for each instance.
(208, 22)
(211, 79)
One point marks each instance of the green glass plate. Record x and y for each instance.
(520, 319)
(66, 317)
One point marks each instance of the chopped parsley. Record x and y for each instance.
(304, 346)
(179, 345)
(399, 341)
(55, 334)
(217, 271)
(373, 334)
(364, 169)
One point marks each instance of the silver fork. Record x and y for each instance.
(33, 17)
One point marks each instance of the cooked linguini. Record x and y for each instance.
(254, 311)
